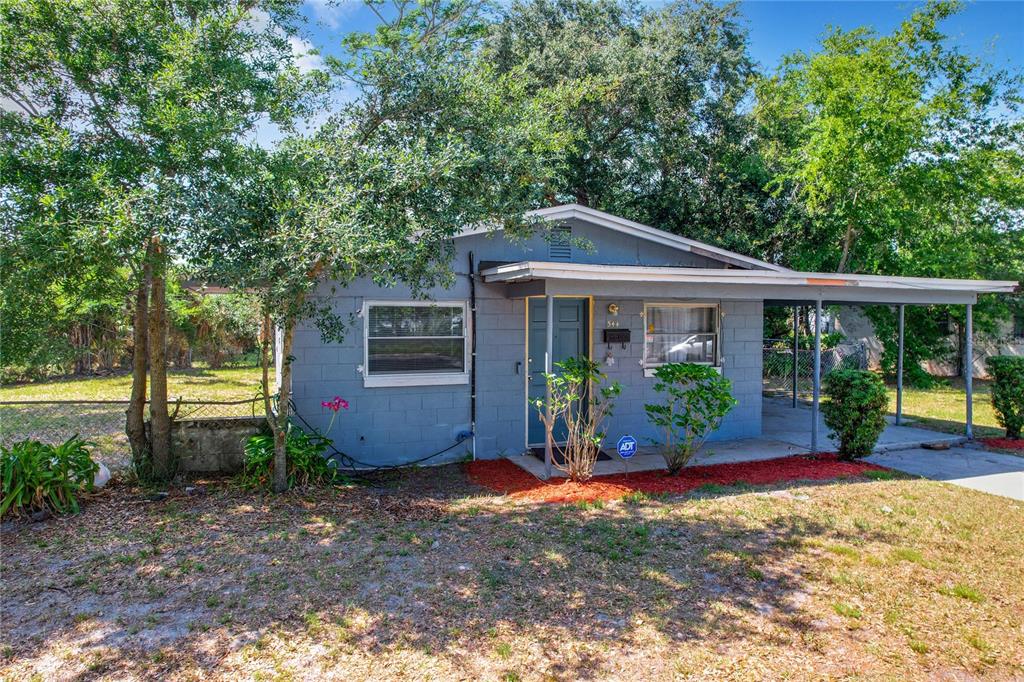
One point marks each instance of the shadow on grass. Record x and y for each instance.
(951, 426)
(418, 562)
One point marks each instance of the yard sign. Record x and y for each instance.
(626, 447)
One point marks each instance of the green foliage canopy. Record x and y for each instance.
(655, 101)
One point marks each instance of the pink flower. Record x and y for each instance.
(334, 405)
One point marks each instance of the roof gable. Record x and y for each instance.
(608, 221)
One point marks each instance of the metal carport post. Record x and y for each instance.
(817, 376)
(969, 369)
(549, 351)
(796, 351)
(899, 370)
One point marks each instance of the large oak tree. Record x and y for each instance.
(121, 120)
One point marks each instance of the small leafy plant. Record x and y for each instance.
(855, 411)
(41, 477)
(577, 399)
(306, 462)
(1008, 392)
(696, 398)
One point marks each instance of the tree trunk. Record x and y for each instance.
(159, 418)
(135, 425)
(280, 480)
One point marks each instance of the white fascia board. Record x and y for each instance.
(646, 232)
(527, 270)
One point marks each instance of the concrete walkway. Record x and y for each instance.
(785, 431)
(968, 466)
(781, 421)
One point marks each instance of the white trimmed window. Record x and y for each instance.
(415, 343)
(680, 332)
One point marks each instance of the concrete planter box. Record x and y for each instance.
(214, 445)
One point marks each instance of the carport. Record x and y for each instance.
(899, 292)
(773, 287)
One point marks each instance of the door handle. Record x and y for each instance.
(519, 367)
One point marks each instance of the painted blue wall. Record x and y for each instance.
(742, 323)
(392, 425)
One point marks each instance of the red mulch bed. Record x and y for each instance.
(1004, 443)
(501, 475)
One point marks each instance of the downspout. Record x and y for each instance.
(472, 352)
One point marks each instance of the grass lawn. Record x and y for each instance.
(104, 424)
(943, 408)
(426, 576)
(190, 384)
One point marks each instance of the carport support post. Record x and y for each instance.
(969, 369)
(796, 350)
(549, 350)
(817, 376)
(899, 370)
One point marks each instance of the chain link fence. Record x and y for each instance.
(778, 365)
(101, 422)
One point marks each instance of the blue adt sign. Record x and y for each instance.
(626, 447)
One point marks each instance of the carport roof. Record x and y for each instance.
(775, 286)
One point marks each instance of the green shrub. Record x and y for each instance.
(1008, 392)
(855, 411)
(306, 462)
(40, 477)
(696, 399)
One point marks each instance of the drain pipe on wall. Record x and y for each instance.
(472, 352)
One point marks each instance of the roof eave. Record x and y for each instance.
(532, 270)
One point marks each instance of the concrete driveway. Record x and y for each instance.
(967, 466)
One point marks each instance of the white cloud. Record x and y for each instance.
(331, 12)
(307, 58)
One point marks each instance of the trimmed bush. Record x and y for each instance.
(696, 397)
(855, 411)
(41, 477)
(306, 462)
(1008, 392)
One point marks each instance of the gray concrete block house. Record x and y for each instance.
(635, 298)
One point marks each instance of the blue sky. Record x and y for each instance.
(990, 29)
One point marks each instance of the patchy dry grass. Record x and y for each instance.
(424, 576)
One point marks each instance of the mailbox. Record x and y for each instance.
(616, 336)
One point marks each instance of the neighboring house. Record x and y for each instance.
(1007, 340)
(639, 297)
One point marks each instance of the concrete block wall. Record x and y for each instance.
(741, 352)
(396, 425)
(501, 378)
(214, 445)
(401, 424)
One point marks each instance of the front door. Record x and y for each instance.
(570, 340)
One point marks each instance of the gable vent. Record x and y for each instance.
(560, 246)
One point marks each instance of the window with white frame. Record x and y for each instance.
(415, 342)
(680, 332)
